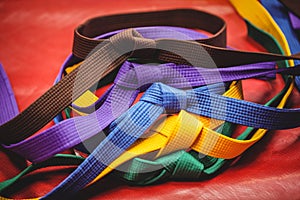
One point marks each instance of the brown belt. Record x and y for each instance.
(292, 5)
(98, 64)
(188, 18)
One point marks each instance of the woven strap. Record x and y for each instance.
(125, 131)
(147, 32)
(281, 17)
(84, 35)
(242, 145)
(181, 132)
(179, 76)
(240, 72)
(130, 78)
(188, 165)
(268, 25)
(235, 111)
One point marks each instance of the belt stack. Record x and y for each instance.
(147, 97)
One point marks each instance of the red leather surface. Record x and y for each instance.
(36, 36)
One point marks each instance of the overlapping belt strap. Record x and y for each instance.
(154, 32)
(35, 166)
(84, 35)
(168, 32)
(182, 165)
(281, 17)
(268, 25)
(182, 76)
(147, 32)
(130, 126)
(131, 77)
(15, 132)
(191, 162)
(143, 147)
(178, 132)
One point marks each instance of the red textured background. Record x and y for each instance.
(35, 38)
